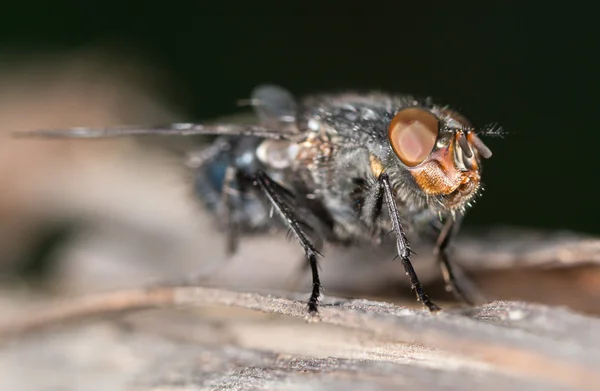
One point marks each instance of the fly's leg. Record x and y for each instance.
(227, 208)
(402, 244)
(304, 266)
(462, 288)
(266, 184)
(224, 205)
(198, 161)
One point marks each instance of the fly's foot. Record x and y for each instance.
(423, 298)
(432, 306)
(313, 308)
(313, 312)
(313, 302)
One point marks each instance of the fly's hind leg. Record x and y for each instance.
(225, 212)
(456, 281)
(227, 209)
(277, 198)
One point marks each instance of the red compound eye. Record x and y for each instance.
(412, 134)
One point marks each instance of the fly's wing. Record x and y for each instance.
(274, 107)
(273, 116)
(177, 129)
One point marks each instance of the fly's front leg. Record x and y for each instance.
(271, 190)
(402, 244)
(462, 288)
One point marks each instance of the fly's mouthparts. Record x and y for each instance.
(464, 145)
(476, 142)
(470, 140)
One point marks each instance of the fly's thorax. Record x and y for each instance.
(314, 149)
(277, 154)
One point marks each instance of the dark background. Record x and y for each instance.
(526, 67)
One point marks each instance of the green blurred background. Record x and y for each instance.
(525, 66)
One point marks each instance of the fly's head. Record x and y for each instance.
(441, 152)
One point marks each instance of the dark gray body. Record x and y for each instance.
(327, 172)
(329, 166)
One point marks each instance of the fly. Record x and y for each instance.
(345, 168)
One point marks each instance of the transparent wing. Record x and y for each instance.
(274, 105)
(177, 129)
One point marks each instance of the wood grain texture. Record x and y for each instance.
(173, 336)
(357, 343)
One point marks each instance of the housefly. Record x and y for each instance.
(344, 168)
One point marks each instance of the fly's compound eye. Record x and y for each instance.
(412, 134)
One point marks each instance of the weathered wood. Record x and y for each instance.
(503, 344)
(502, 248)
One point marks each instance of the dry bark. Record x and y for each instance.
(500, 345)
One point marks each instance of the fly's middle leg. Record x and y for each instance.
(303, 267)
(277, 199)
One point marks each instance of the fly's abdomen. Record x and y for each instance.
(209, 181)
(224, 184)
